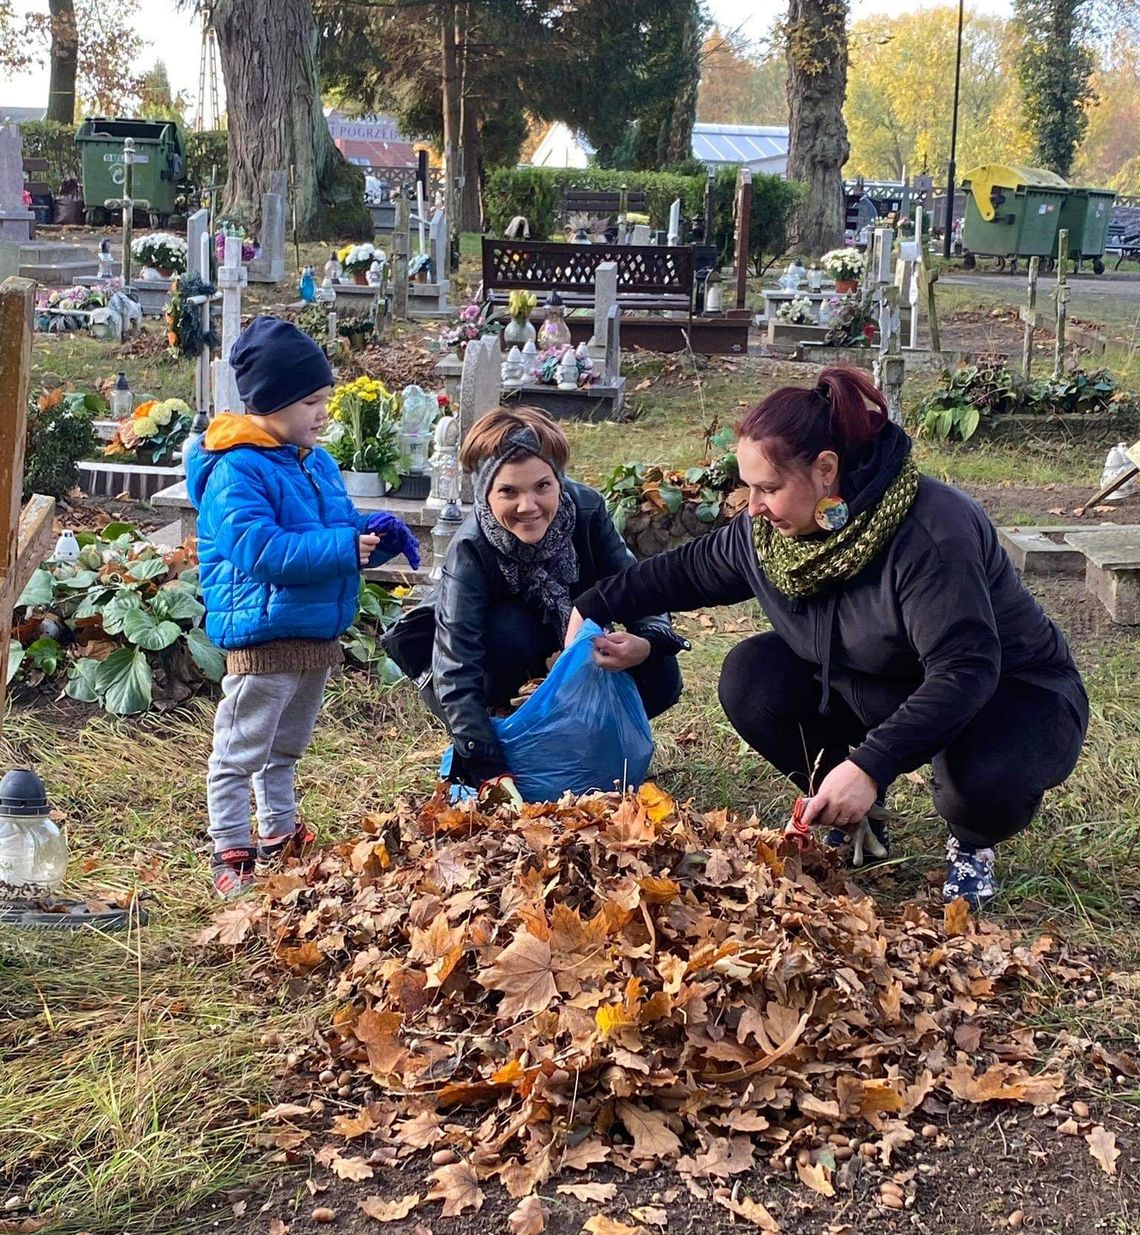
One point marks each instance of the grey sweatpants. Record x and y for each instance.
(262, 726)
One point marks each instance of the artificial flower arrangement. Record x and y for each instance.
(850, 321)
(843, 264)
(363, 430)
(249, 250)
(77, 298)
(798, 311)
(155, 428)
(418, 264)
(546, 368)
(164, 251)
(358, 258)
(521, 304)
(474, 321)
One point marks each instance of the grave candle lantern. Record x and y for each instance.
(33, 850)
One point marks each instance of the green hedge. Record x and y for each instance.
(48, 139)
(536, 193)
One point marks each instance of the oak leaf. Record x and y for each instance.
(351, 1126)
(1102, 1146)
(600, 1224)
(527, 1218)
(589, 1191)
(378, 1032)
(457, 1187)
(752, 1211)
(390, 1211)
(652, 1137)
(585, 1154)
(816, 1176)
(956, 916)
(351, 1168)
(1004, 1083)
(654, 1215)
(419, 1132)
(524, 974)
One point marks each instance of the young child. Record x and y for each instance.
(280, 549)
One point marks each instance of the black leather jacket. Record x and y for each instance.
(471, 582)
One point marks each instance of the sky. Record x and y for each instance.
(174, 37)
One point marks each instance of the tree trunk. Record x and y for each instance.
(273, 104)
(818, 149)
(64, 61)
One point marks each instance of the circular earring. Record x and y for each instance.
(831, 513)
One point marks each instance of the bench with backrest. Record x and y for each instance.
(1124, 233)
(602, 201)
(649, 277)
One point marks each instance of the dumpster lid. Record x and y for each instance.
(119, 128)
(1006, 176)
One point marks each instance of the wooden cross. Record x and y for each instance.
(25, 534)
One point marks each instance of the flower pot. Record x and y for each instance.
(360, 277)
(363, 484)
(144, 455)
(166, 271)
(844, 287)
(519, 332)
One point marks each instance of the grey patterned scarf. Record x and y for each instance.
(541, 574)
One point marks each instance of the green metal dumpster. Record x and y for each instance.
(1087, 214)
(157, 167)
(1012, 212)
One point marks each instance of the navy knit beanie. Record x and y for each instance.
(276, 364)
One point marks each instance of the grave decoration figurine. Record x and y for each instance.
(106, 260)
(333, 271)
(375, 273)
(445, 479)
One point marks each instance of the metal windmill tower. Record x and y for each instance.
(209, 113)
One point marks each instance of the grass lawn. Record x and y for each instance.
(134, 1068)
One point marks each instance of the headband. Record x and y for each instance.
(522, 440)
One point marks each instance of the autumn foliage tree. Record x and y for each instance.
(738, 86)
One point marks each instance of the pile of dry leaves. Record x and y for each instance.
(627, 981)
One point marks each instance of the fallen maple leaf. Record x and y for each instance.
(389, 1211)
(658, 804)
(652, 1137)
(589, 1191)
(523, 972)
(351, 1168)
(527, 1218)
(457, 1187)
(1102, 1146)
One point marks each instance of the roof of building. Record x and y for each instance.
(17, 115)
(739, 143)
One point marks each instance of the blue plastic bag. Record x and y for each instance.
(584, 728)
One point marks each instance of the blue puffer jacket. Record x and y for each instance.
(277, 537)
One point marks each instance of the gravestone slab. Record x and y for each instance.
(1042, 550)
(15, 218)
(479, 388)
(1112, 573)
(641, 234)
(269, 265)
(605, 298)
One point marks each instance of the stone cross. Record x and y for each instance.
(605, 297)
(231, 280)
(479, 389)
(198, 262)
(15, 218)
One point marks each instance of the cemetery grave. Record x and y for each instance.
(493, 1137)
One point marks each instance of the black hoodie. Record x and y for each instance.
(915, 644)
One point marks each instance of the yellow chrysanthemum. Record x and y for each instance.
(145, 426)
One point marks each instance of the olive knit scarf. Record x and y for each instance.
(801, 566)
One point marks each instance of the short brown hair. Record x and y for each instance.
(485, 439)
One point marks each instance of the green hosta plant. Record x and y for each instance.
(121, 613)
(378, 609)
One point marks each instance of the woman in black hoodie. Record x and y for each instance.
(901, 633)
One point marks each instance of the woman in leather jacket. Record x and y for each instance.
(534, 541)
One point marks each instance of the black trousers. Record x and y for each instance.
(987, 783)
(517, 645)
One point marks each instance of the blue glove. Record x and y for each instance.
(395, 538)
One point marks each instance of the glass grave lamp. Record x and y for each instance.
(33, 850)
(554, 332)
(122, 400)
(714, 294)
(416, 416)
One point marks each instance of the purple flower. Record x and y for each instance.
(469, 312)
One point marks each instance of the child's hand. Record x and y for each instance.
(367, 546)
